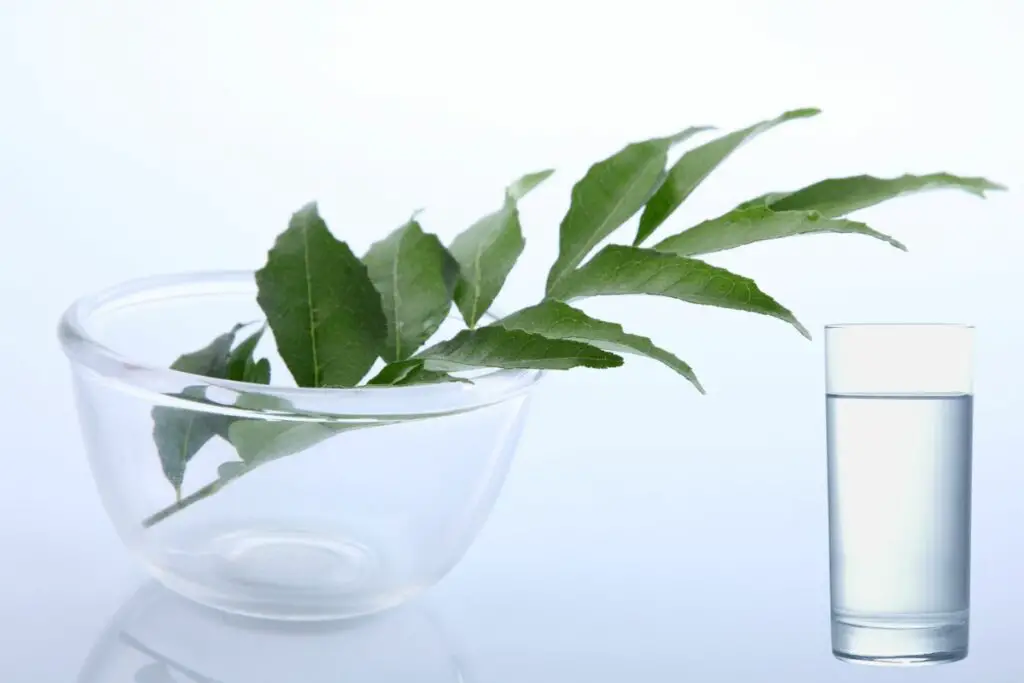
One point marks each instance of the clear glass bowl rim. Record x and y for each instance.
(83, 349)
(921, 325)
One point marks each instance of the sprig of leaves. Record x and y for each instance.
(335, 316)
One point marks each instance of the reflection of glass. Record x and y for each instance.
(159, 637)
(899, 413)
(295, 503)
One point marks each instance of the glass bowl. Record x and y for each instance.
(360, 499)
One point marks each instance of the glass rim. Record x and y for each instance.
(938, 325)
(83, 348)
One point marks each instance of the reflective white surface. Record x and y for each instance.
(602, 562)
(645, 532)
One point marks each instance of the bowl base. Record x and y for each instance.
(285, 560)
(283, 574)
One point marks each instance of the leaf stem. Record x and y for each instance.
(182, 503)
(218, 484)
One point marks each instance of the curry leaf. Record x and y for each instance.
(212, 359)
(496, 347)
(756, 224)
(321, 305)
(260, 441)
(840, 196)
(695, 166)
(258, 372)
(558, 320)
(617, 270)
(415, 276)
(488, 250)
(610, 193)
(179, 433)
(231, 469)
(411, 371)
(523, 186)
(762, 201)
(241, 361)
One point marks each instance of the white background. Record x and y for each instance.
(143, 137)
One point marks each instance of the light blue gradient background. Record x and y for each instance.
(645, 532)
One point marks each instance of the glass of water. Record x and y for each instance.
(899, 415)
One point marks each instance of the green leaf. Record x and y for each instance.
(231, 469)
(241, 363)
(260, 441)
(618, 270)
(263, 439)
(697, 164)
(212, 359)
(487, 251)
(258, 372)
(412, 371)
(520, 188)
(180, 433)
(610, 193)
(839, 196)
(763, 201)
(756, 224)
(415, 276)
(558, 320)
(321, 305)
(496, 347)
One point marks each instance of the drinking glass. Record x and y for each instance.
(899, 417)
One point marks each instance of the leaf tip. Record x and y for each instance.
(311, 207)
(684, 135)
(613, 360)
(805, 113)
(522, 186)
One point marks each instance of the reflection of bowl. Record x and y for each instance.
(157, 637)
(350, 500)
